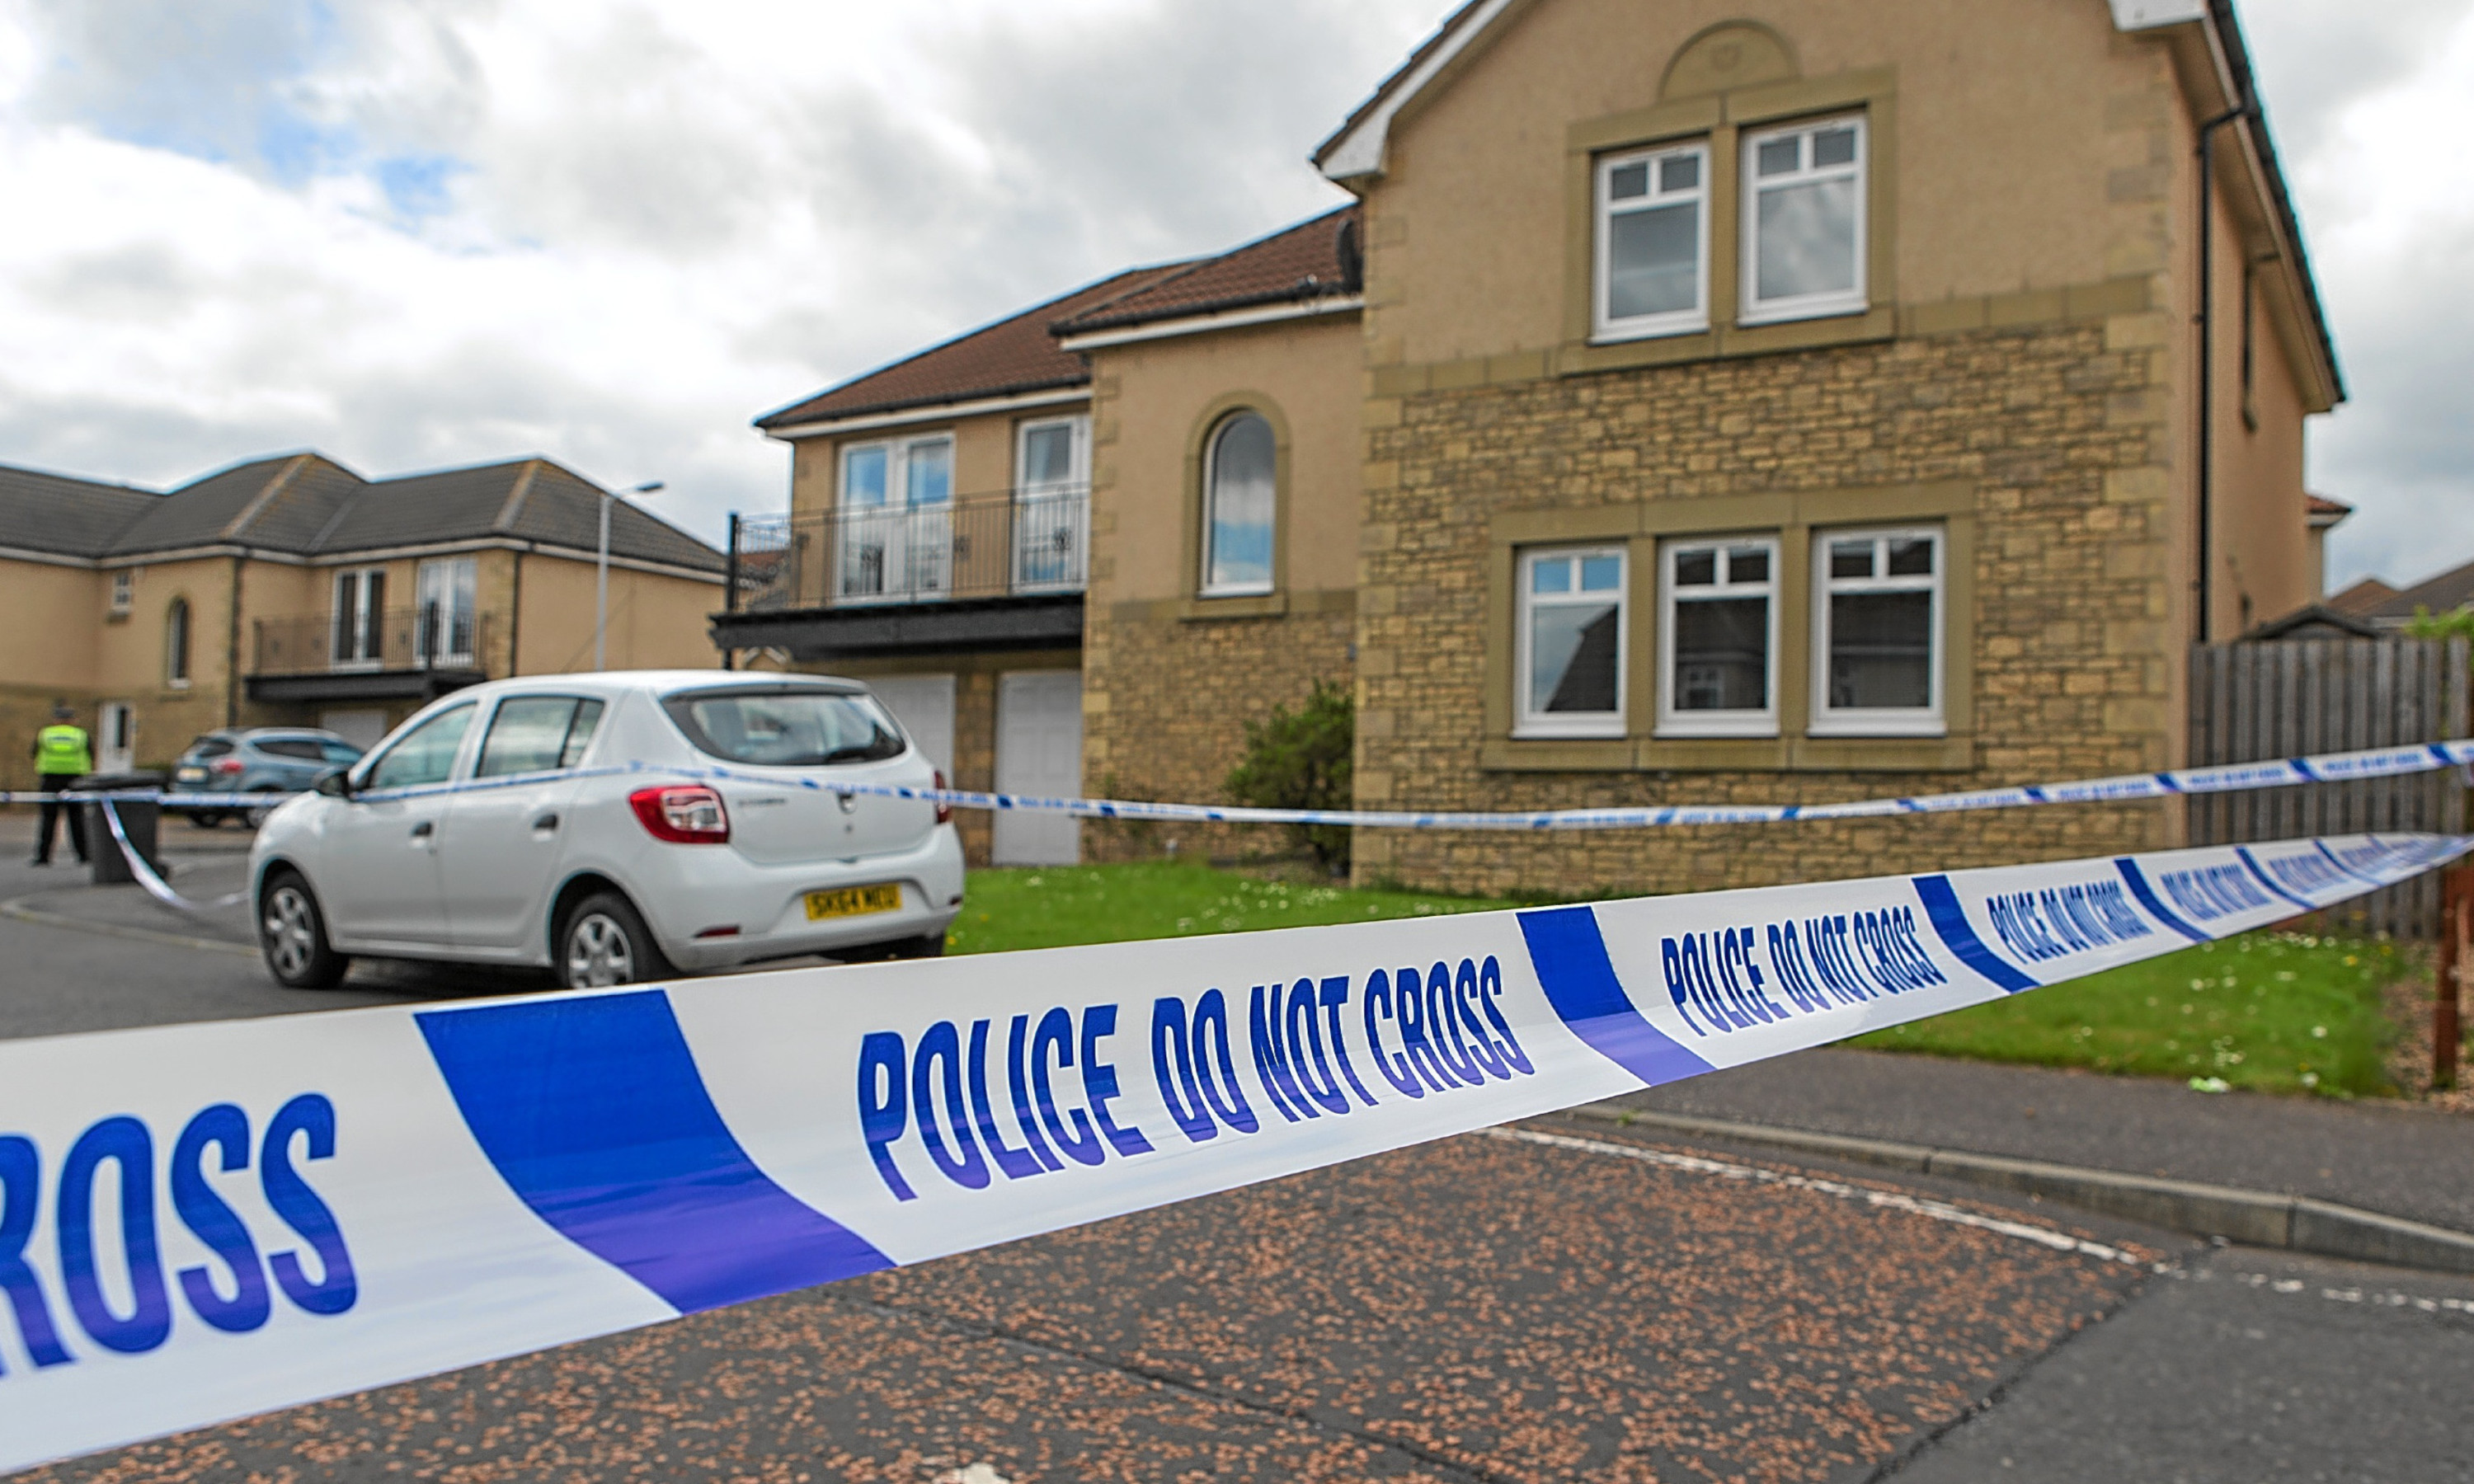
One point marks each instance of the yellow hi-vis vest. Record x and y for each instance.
(62, 749)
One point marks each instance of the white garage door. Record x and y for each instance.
(1039, 752)
(924, 705)
(361, 728)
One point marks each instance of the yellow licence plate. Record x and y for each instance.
(854, 901)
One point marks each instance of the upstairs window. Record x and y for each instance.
(1804, 221)
(124, 591)
(360, 616)
(1653, 243)
(1719, 619)
(176, 644)
(1572, 643)
(1240, 498)
(1877, 625)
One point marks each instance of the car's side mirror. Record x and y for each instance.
(335, 784)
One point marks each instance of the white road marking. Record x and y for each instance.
(1886, 1199)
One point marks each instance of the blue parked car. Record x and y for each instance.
(257, 761)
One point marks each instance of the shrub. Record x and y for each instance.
(1302, 759)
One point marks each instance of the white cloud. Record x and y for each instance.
(414, 232)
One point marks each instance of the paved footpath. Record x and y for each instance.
(2399, 1160)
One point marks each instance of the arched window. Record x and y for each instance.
(176, 643)
(1238, 504)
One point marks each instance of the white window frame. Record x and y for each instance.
(1931, 721)
(1746, 722)
(370, 650)
(1079, 426)
(1205, 587)
(914, 543)
(178, 657)
(460, 578)
(1527, 723)
(897, 471)
(1052, 514)
(1755, 310)
(1605, 327)
(124, 592)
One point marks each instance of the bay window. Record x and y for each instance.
(1572, 643)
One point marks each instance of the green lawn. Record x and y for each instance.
(2274, 1011)
(1048, 907)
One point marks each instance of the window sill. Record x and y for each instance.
(1769, 337)
(1879, 728)
(1729, 754)
(1258, 604)
(1619, 335)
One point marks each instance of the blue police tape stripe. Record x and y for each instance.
(1950, 920)
(2156, 908)
(2270, 881)
(593, 1111)
(1570, 957)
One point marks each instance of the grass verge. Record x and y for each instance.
(1055, 906)
(2272, 1012)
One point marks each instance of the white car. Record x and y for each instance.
(614, 828)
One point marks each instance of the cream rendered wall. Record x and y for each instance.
(50, 620)
(656, 622)
(1160, 399)
(1999, 187)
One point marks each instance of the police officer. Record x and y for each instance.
(63, 754)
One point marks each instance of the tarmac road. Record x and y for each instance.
(1585, 1302)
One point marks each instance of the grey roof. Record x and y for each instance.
(74, 518)
(306, 504)
(2445, 593)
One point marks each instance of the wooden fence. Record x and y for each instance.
(2250, 702)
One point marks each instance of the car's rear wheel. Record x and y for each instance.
(206, 818)
(292, 935)
(603, 941)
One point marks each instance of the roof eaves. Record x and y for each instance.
(1357, 148)
(2236, 54)
(793, 416)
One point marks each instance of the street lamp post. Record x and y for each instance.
(601, 574)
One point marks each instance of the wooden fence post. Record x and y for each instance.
(2456, 929)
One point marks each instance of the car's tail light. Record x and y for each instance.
(227, 765)
(683, 814)
(944, 810)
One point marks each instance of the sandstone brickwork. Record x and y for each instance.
(2058, 428)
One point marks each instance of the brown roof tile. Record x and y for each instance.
(1014, 355)
(2361, 597)
(1310, 260)
(2321, 505)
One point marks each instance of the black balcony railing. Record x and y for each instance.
(429, 637)
(1015, 544)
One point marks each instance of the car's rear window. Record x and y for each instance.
(785, 728)
(304, 748)
(210, 746)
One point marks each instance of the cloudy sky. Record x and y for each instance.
(422, 232)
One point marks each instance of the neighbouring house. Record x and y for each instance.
(1680, 406)
(291, 590)
(2393, 608)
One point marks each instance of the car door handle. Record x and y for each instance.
(547, 821)
(422, 830)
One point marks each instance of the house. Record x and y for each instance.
(291, 590)
(2393, 608)
(1680, 405)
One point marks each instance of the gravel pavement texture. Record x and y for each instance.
(1475, 1309)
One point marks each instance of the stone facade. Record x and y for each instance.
(2057, 428)
(1165, 703)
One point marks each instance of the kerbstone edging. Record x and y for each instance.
(2255, 1218)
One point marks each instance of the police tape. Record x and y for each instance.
(2129, 788)
(148, 877)
(205, 1222)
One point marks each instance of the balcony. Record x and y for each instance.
(1003, 570)
(401, 653)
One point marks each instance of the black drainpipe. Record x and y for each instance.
(2207, 348)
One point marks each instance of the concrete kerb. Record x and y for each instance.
(2255, 1218)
